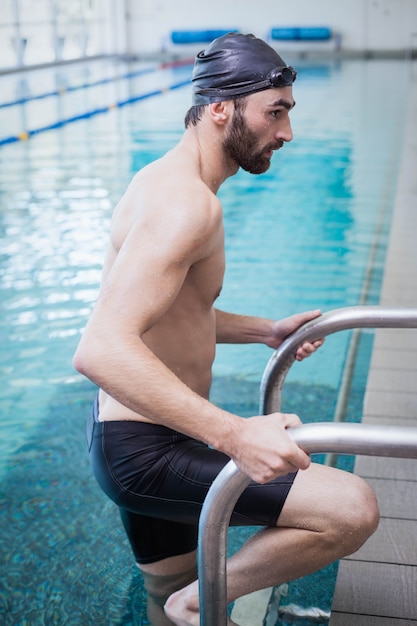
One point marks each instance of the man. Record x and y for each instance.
(156, 441)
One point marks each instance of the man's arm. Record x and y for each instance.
(232, 328)
(140, 287)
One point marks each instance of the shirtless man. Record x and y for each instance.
(156, 441)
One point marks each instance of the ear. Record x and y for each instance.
(220, 111)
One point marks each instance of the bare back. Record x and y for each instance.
(167, 250)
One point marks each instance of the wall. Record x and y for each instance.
(364, 25)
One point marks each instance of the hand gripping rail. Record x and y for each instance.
(393, 441)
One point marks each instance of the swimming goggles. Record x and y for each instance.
(278, 77)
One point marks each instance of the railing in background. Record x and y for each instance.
(313, 438)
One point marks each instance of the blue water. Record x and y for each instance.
(310, 233)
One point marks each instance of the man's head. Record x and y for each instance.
(237, 65)
(252, 84)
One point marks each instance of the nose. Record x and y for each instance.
(285, 131)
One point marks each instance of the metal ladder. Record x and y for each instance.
(393, 441)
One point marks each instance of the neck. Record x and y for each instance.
(207, 152)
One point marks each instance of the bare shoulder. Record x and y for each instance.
(168, 201)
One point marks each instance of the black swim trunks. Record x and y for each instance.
(159, 479)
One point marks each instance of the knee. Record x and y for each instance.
(360, 516)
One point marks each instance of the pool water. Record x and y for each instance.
(310, 233)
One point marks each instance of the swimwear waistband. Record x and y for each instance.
(145, 427)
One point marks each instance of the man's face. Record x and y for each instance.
(260, 124)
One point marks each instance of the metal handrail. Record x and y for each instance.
(346, 318)
(391, 441)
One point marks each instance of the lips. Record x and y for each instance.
(270, 149)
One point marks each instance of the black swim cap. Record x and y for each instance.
(235, 65)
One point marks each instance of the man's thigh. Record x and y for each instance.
(323, 496)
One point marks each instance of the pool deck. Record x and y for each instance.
(377, 586)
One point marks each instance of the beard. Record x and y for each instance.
(241, 145)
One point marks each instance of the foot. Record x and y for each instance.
(183, 609)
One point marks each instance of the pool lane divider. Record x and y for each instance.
(27, 134)
(60, 91)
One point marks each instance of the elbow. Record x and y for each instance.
(96, 358)
(84, 361)
(79, 362)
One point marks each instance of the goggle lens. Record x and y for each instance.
(283, 76)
